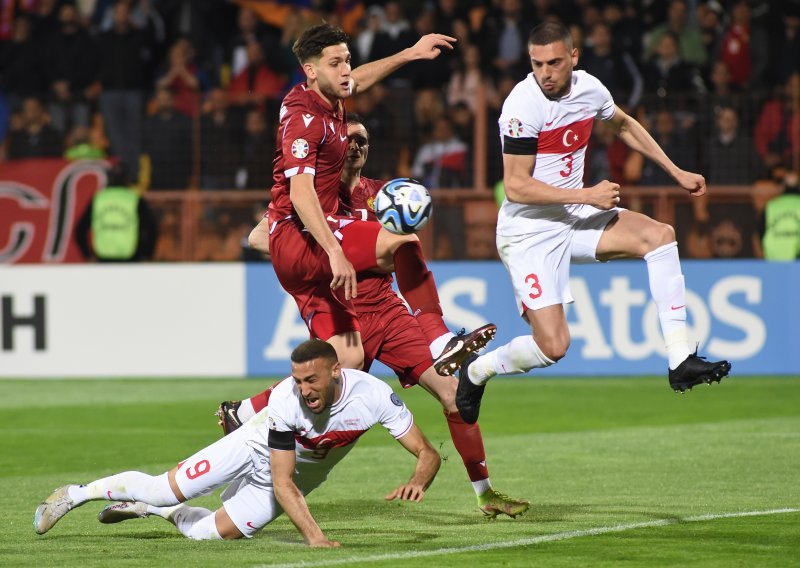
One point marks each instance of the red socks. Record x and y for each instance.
(469, 443)
(418, 287)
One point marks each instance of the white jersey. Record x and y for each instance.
(557, 132)
(322, 440)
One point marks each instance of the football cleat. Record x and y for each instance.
(461, 345)
(493, 503)
(468, 394)
(227, 415)
(123, 511)
(696, 370)
(50, 511)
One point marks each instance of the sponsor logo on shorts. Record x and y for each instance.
(299, 148)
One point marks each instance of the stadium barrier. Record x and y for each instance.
(230, 320)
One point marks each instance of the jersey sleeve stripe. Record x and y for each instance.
(291, 171)
(520, 146)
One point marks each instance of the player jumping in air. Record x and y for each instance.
(549, 219)
(316, 252)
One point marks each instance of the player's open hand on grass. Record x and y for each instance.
(430, 46)
(407, 492)
(604, 195)
(695, 184)
(343, 274)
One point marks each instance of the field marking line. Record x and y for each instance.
(526, 541)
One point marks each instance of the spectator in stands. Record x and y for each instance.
(124, 58)
(730, 156)
(395, 35)
(779, 225)
(709, 21)
(744, 48)
(183, 78)
(675, 144)
(167, 142)
(606, 156)
(21, 65)
(428, 73)
(381, 122)
(626, 29)
(668, 75)
(35, 138)
(82, 145)
(506, 35)
(258, 144)
(118, 225)
(256, 82)
(362, 43)
(776, 132)
(722, 230)
(617, 70)
(468, 79)
(219, 142)
(250, 29)
(788, 45)
(71, 70)
(689, 39)
(143, 16)
(441, 163)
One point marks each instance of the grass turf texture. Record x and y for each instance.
(588, 453)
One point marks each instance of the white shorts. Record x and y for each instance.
(242, 459)
(538, 261)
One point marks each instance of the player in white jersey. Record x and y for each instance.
(313, 420)
(549, 219)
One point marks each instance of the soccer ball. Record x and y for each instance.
(403, 206)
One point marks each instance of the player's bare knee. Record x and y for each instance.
(173, 484)
(661, 234)
(225, 526)
(553, 347)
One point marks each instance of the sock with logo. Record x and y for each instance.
(126, 486)
(669, 294)
(468, 441)
(519, 355)
(418, 288)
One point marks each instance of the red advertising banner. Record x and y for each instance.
(40, 203)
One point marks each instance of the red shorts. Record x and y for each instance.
(304, 270)
(393, 337)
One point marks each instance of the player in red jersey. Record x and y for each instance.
(317, 253)
(392, 336)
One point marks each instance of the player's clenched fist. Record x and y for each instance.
(604, 195)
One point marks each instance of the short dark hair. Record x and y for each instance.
(313, 349)
(316, 38)
(550, 32)
(353, 118)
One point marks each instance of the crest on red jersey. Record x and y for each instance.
(299, 148)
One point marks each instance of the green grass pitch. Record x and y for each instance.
(621, 472)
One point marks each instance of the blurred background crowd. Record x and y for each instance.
(185, 94)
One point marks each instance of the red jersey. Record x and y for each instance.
(312, 139)
(374, 289)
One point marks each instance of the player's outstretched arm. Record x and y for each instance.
(635, 136)
(428, 47)
(282, 463)
(428, 462)
(306, 203)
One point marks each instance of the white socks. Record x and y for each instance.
(127, 486)
(519, 355)
(669, 294)
(245, 411)
(196, 523)
(481, 486)
(437, 345)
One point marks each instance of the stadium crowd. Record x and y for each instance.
(186, 94)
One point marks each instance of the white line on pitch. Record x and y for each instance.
(525, 541)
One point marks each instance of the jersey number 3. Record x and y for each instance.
(536, 289)
(568, 168)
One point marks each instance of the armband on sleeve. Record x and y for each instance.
(281, 440)
(520, 146)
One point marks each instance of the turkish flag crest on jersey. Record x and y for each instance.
(566, 139)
